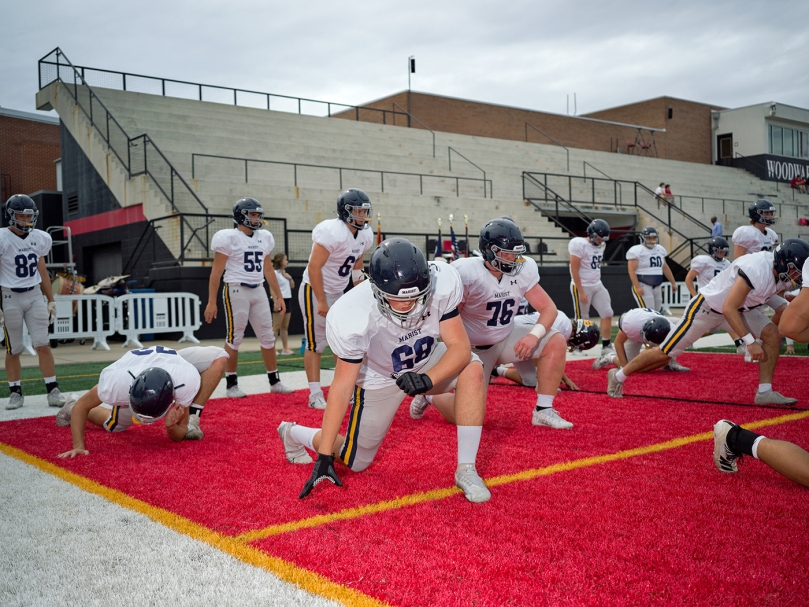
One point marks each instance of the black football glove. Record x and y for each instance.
(413, 384)
(323, 471)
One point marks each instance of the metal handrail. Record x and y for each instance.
(449, 153)
(567, 151)
(586, 164)
(200, 87)
(395, 105)
(105, 133)
(382, 173)
(557, 198)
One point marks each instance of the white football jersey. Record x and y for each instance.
(19, 258)
(561, 324)
(805, 274)
(632, 321)
(650, 261)
(591, 256)
(758, 268)
(115, 380)
(752, 239)
(344, 250)
(246, 254)
(357, 330)
(489, 305)
(706, 268)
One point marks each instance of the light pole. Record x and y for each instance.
(411, 69)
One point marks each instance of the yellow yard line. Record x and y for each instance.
(439, 494)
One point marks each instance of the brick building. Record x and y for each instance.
(665, 127)
(29, 148)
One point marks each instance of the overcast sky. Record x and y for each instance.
(530, 54)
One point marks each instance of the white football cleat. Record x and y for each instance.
(603, 360)
(675, 366)
(15, 401)
(55, 398)
(418, 406)
(63, 415)
(550, 417)
(614, 387)
(280, 388)
(771, 397)
(235, 392)
(468, 480)
(193, 432)
(723, 457)
(296, 453)
(316, 401)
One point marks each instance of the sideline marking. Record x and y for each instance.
(438, 494)
(309, 581)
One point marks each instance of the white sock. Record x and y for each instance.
(468, 443)
(303, 435)
(14, 383)
(620, 376)
(229, 373)
(764, 387)
(544, 401)
(50, 380)
(314, 387)
(500, 370)
(429, 399)
(755, 446)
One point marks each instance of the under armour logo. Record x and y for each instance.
(514, 282)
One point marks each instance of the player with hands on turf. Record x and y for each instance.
(143, 387)
(243, 255)
(385, 333)
(24, 280)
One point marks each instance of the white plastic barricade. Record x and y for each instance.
(139, 313)
(80, 317)
(677, 300)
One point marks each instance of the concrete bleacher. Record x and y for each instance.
(182, 128)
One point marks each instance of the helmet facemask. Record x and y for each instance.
(27, 224)
(414, 315)
(358, 216)
(506, 266)
(793, 276)
(252, 223)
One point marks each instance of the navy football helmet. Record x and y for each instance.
(20, 204)
(242, 210)
(716, 245)
(399, 272)
(502, 236)
(151, 395)
(585, 334)
(649, 237)
(788, 260)
(654, 331)
(762, 211)
(354, 207)
(598, 228)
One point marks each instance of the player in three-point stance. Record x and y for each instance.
(647, 267)
(734, 295)
(336, 258)
(385, 333)
(243, 254)
(493, 286)
(24, 279)
(141, 387)
(586, 255)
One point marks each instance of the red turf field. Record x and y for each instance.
(661, 527)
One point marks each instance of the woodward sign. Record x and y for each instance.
(774, 168)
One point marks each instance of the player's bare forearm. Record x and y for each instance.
(667, 273)
(459, 350)
(689, 282)
(620, 351)
(177, 423)
(46, 287)
(342, 386)
(78, 419)
(795, 319)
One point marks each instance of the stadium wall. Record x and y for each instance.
(28, 149)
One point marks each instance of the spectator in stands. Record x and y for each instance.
(669, 195)
(660, 193)
(798, 183)
(280, 321)
(716, 227)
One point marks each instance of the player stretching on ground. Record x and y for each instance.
(385, 333)
(24, 278)
(337, 249)
(141, 387)
(243, 254)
